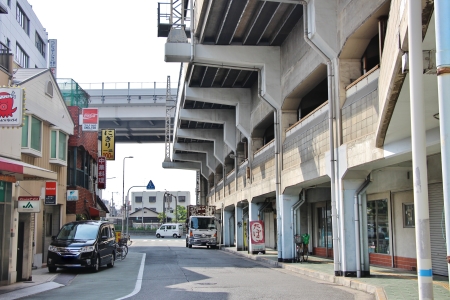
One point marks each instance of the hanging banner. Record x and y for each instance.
(53, 49)
(101, 165)
(108, 144)
(29, 204)
(257, 240)
(11, 107)
(50, 193)
(90, 119)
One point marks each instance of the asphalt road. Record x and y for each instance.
(172, 271)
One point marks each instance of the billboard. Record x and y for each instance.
(108, 144)
(29, 204)
(89, 119)
(11, 107)
(53, 48)
(50, 193)
(101, 165)
(257, 239)
(72, 195)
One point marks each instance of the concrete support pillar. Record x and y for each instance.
(286, 230)
(347, 225)
(227, 227)
(239, 213)
(253, 210)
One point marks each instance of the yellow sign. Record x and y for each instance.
(108, 144)
(118, 236)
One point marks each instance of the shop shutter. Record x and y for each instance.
(437, 229)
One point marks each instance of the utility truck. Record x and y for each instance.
(201, 226)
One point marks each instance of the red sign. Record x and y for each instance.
(90, 119)
(50, 193)
(257, 240)
(28, 198)
(101, 165)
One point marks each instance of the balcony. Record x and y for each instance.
(5, 58)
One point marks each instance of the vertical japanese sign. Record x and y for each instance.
(101, 165)
(52, 45)
(108, 144)
(257, 236)
(50, 193)
(90, 119)
(11, 107)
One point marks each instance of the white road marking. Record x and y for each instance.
(138, 285)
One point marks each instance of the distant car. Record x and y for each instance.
(83, 244)
(171, 229)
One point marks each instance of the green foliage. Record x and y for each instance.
(162, 217)
(181, 214)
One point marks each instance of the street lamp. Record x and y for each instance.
(123, 189)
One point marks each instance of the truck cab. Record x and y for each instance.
(201, 227)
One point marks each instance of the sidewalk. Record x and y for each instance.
(384, 283)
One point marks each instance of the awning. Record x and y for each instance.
(94, 212)
(24, 171)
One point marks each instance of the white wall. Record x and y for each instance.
(10, 29)
(158, 205)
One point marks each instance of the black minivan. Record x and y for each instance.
(88, 244)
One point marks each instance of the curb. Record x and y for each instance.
(343, 281)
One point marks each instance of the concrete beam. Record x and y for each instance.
(215, 135)
(207, 148)
(239, 97)
(198, 158)
(226, 117)
(183, 166)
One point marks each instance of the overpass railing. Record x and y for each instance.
(125, 85)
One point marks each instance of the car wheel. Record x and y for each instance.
(52, 269)
(158, 235)
(187, 244)
(175, 235)
(111, 264)
(207, 247)
(190, 246)
(96, 266)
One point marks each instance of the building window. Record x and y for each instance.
(152, 199)
(22, 18)
(138, 199)
(58, 147)
(49, 88)
(378, 226)
(408, 215)
(181, 198)
(40, 45)
(32, 136)
(21, 57)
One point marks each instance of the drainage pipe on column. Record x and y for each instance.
(358, 193)
(419, 154)
(441, 9)
(294, 209)
(277, 133)
(334, 221)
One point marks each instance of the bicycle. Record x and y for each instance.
(121, 249)
(301, 245)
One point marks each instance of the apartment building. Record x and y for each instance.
(156, 201)
(297, 113)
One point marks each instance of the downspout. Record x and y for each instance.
(294, 209)
(192, 31)
(277, 133)
(223, 225)
(358, 193)
(336, 249)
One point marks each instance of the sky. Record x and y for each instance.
(116, 41)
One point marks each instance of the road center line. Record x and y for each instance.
(138, 285)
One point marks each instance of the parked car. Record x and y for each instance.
(83, 244)
(170, 229)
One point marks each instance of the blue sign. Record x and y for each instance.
(150, 185)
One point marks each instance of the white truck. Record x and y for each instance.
(201, 226)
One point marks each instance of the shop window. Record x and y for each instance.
(32, 136)
(408, 215)
(325, 238)
(378, 226)
(58, 147)
(152, 199)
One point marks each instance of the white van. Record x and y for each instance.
(170, 229)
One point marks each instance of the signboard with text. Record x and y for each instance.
(29, 204)
(72, 195)
(50, 193)
(11, 107)
(108, 144)
(89, 117)
(257, 239)
(53, 49)
(101, 164)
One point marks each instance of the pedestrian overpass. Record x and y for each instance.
(136, 110)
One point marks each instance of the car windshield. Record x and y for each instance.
(202, 223)
(78, 232)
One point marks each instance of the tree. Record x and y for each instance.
(162, 217)
(181, 214)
